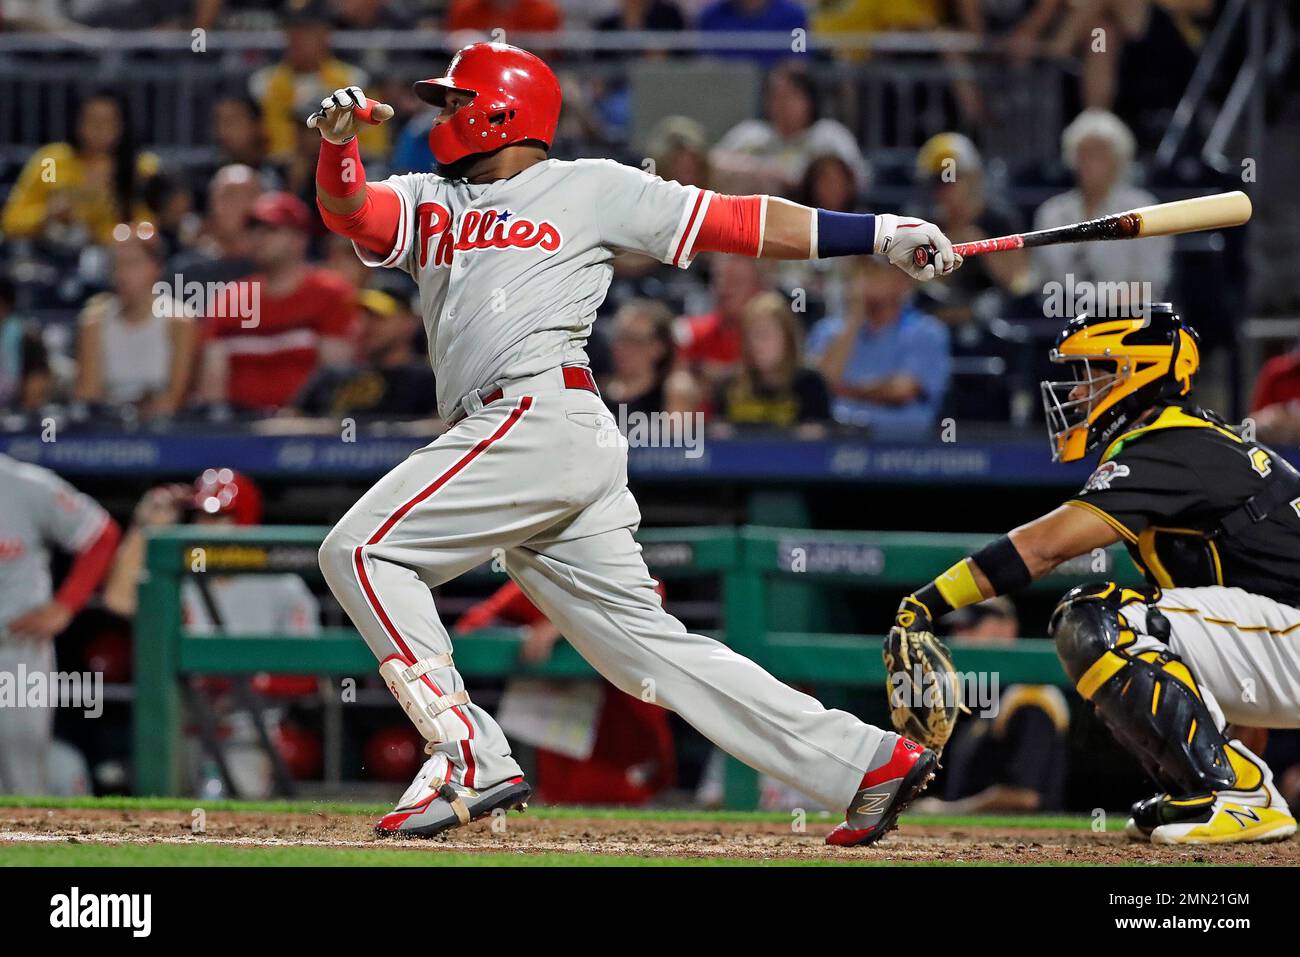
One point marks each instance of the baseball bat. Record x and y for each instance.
(1164, 219)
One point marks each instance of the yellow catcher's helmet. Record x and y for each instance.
(1122, 367)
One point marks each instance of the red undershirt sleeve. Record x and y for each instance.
(374, 225)
(88, 568)
(732, 224)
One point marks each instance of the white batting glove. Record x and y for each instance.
(338, 119)
(899, 237)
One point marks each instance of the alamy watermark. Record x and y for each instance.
(979, 691)
(238, 299)
(1107, 300)
(656, 430)
(21, 688)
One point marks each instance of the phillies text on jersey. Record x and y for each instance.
(511, 273)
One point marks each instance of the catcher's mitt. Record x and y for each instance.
(924, 692)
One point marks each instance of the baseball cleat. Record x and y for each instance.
(884, 793)
(1225, 817)
(433, 804)
(1144, 817)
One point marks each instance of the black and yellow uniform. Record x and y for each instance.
(1023, 746)
(1186, 492)
(805, 399)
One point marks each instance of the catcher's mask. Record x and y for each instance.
(515, 97)
(1121, 368)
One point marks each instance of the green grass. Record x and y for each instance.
(207, 855)
(73, 853)
(185, 805)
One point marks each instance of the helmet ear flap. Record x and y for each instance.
(1186, 360)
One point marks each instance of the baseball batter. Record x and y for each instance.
(41, 511)
(1213, 520)
(512, 252)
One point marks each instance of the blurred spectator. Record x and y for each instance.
(176, 222)
(828, 183)
(626, 758)
(642, 15)
(25, 378)
(773, 388)
(272, 331)
(512, 16)
(393, 380)
(642, 349)
(293, 89)
(411, 150)
(1013, 760)
(1016, 29)
(223, 250)
(340, 257)
(73, 192)
(772, 154)
(240, 135)
(299, 173)
(1171, 29)
(136, 347)
(36, 16)
(951, 171)
(758, 16)
(1013, 27)
(1099, 148)
(708, 345)
(130, 14)
(372, 15)
(875, 16)
(680, 150)
(886, 362)
(611, 94)
(1275, 406)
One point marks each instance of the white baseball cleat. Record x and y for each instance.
(433, 804)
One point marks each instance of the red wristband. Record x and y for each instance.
(338, 168)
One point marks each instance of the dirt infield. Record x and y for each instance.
(535, 834)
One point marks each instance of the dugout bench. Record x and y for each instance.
(757, 568)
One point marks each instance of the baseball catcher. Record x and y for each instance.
(1213, 520)
(512, 251)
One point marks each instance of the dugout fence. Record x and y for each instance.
(770, 580)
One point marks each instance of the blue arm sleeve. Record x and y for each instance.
(844, 234)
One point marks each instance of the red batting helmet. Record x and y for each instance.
(227, 492)
(510, 87)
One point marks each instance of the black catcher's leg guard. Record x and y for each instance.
(1144, 693)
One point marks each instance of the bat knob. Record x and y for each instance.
(923, 256)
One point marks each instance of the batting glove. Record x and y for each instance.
(899, 238)
(342, 110)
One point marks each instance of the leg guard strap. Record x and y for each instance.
(433, 713)
(1144, 693)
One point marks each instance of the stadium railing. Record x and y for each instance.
(750, 562)
(890, 88)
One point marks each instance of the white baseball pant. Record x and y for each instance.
(541, 475)
(1243, 649)
(26, 732)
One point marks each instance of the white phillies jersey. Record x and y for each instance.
(39, 510)
(251, 604)
(511, 273)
